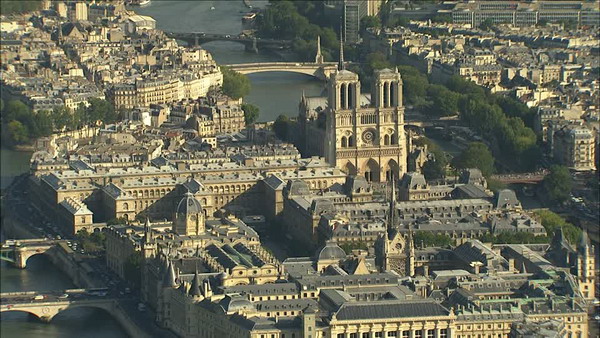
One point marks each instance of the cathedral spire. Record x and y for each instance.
(319, 56)
(341, 61)
(391, 212)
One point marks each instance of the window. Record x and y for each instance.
(405, 334)
(444, 333)
(419, 334)
(354, 335)
(365, 335)
(392, 334)
(430, 333)
(340, 335)
(378, 334)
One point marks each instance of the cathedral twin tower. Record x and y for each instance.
(362, 136)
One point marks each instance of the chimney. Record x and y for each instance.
(511, 264)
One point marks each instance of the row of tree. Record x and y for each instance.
(503, 121)
(552, 222)
(302, 22)
(21, 125)
(21, 6)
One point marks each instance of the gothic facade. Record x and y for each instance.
(358, 135)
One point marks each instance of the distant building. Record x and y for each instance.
(575, 147)
(526, 13)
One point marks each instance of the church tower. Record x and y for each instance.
(585, 267)
(393, 250)
(189, 217)
(365, 138)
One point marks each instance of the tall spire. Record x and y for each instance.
(195, 287)
(392, 209)
(584, 241)
(319, 57)
(169, 278)
(341, 61)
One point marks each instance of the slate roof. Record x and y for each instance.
(390, 309)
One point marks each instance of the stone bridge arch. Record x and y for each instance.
(23, 255)
(47, 311)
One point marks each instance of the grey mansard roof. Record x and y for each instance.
(390, 309)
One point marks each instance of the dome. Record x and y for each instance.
(189, 205)
(235, 303)
(331, 251)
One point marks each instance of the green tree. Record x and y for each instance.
(445, 101)
(486, 24)
(133, 270)
(442, 18)
(506, 237)
(251, 113)
(377, 60)
(21, 6)
(415, 84)
(370, 21)
(349, 246)
(17, 133)
(15, 110)
(434, 168)
(552, 222)
(399, 21)
(235, 85)
(569, 24)
(476, 155)
(557, 184)
(427, 239)
(281, 127)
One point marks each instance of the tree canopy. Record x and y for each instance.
(476, 155)
(20, 124)
(251, 113)
(552, 222)
(235, 85)
(302, 22)
(427, 239)
(281, 126)
(557, 184)
(434, 168)
(21, 6)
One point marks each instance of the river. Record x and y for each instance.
(273, 93)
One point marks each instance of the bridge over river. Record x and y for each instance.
(251, 43)
(48, 304)
(18, 252)
(123, 308)
(321, 71)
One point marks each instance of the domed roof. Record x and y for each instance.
(235, 303)
(189, 205)
(331, 251)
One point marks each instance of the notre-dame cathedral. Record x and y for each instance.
(361, 135)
